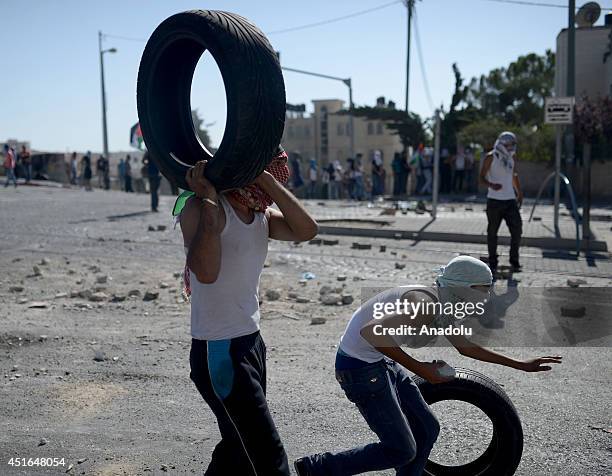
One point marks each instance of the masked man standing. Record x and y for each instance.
(226, 241)
(504, 197)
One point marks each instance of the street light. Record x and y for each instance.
(104, 127)
(348, 83)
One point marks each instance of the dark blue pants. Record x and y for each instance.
(394, 409)
(231, 376)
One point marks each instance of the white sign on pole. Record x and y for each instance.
(559, 110)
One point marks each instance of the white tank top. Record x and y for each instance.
(354, 345)
(229, 307)
(501, 173)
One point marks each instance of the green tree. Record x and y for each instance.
(409, 127)
(514, 94)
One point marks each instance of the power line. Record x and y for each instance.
(333, 20)
(536, 4)
(421, 62)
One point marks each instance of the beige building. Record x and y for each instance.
(325, 135)
(593, 61)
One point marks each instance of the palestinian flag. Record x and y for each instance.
(136, 139)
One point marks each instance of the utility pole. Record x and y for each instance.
(436, 167)
(410, 5)
(104, 127)
(571, 73)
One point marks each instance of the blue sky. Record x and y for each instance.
(50, 85)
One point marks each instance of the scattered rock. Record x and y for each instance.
(163, 285)
(273, 294)
(164, 467)
(303, 282)
(38, 305)
(118, 297)
(94, 268)
(134, 292)
(177, 274)
(71, 271)
(98, 297)
(315, 241)
(16, 289)
(151, 228)
(37, 271)
(102, 279)
(61, 295)
(302, 300)
(325, 289)
(150, 296)
(574, 283)
(81, 461)
(15, 368)
(315, 321)
(341, 277)
(43, 442)
(330, 242)
(573, 311)
(85, 294)
(292, 295)
(99, 356)
(400, 265)
(161, 227)
(361, 246)
(331, 299)
(22, 301)
(383, 248)
(44, 262)
(347, 299)
(70, 466)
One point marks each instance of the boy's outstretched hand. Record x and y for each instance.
(537, 365)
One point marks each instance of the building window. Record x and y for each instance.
(379, 128)
(340, 129)
(370, 128)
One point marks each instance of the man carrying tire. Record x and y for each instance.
(372, 369)
(226, 240)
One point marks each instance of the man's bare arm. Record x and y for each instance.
(293, 222)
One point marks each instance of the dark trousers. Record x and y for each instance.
(231, 376)
(154, 189)
(498, 210)
(128, 183)
(458, 180)
(395, 410)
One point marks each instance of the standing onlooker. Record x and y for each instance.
(26, 163)
(469, 170)
(296, 174)
(427, 171)
(378, 175)
(459, 164)
(358, 176)
(396, 167)
(86, 172)
(100, 171)
(106, 172)
(504, 197)
(154, 180)
(9, 165)
(312, 179)
(73, 169)
(446, 172)
(121, 174)
(334, 169)
(325, 183)
(128, 174)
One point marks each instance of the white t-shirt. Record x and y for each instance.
(354, 345)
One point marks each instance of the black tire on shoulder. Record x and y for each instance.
(255, 95)
(504, 452)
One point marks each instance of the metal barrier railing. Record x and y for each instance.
(570, 190)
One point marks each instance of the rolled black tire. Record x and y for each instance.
(255, 95)
(503, 455)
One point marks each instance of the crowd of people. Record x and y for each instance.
(17, 164)
(410, 175)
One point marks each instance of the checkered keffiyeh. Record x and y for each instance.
(252, 195)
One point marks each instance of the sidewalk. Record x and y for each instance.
(457, 222)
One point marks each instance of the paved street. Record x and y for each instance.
(103, 377)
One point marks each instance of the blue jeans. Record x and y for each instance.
(10, 177)
(394, 409)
